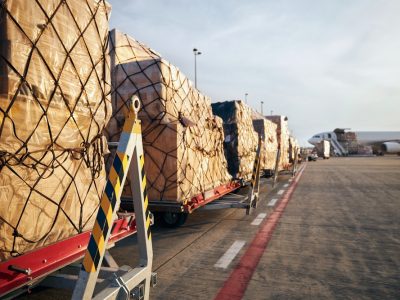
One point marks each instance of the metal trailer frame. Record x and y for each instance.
(20, 274)
(254, 196)
(175, 214)
(250, 201)
(197, 201)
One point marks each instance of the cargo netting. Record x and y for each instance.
(54, 104)
(183, 140)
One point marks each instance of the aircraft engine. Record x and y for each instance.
(391, 147)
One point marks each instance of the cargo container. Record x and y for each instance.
(283, 140)
(326, 149)
(183, 141)
(268, 132)
(54, 104)
(323, 149)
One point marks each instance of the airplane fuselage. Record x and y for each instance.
(387, 141)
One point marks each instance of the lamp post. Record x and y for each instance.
(195, 52)
(245, 98)
(262, 104)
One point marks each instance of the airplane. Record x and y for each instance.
(344, 141)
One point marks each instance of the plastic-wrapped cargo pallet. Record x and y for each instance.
(240, 138)
(183, 140)
(267, 130)
(283, 139)
(53, 107)
(293, 148)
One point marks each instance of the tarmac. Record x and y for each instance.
(332, 232)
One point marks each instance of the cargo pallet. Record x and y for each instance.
(38, 267)
(174, 214)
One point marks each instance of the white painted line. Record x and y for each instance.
(286, 185)
(229, 255)
(280, 192)
(257, 221)
(272, 202)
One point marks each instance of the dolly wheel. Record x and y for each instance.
(173, 219)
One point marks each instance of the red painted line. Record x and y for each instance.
(236, 284)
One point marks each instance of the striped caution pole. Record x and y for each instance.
(104, 220)
(145, 198)
(109, 202)
(255, 179)
(142, 215)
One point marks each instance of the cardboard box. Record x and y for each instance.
(53, 107)
(183, 140)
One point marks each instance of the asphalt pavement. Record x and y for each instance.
(333, 233)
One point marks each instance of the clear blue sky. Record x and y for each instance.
(323, 63)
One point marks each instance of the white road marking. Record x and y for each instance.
(229, 255)
(280, 192)
(257, 221)
(272, 202)
(286, 185)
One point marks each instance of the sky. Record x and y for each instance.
(325, 64)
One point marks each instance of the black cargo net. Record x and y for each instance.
(53, 108)
(183, 141)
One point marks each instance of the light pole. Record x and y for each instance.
(245, 98)
(195, 52)
(262, 104)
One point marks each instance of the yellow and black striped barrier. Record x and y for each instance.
(145, 197)
(104, 220)
(129, 157)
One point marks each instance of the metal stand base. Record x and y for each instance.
(114, 282)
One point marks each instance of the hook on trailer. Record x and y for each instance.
(135, 104)
(26, 271)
